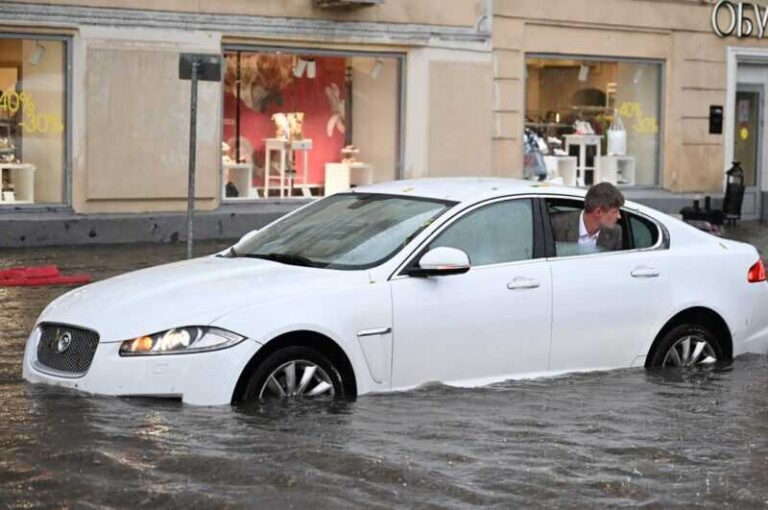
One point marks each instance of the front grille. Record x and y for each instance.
(76, 357)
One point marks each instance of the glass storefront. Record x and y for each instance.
(308, 125)
(590, 120)
(32, 120)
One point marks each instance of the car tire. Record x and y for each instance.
(314, 376)
(702, 348)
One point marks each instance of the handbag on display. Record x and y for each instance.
(582, 127)
(617, 137)
(533, 162)
(231, 190)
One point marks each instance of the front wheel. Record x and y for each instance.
(685, 346)
(294, 372)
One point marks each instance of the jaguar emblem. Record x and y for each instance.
(63, 342)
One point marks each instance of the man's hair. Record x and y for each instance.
(603, 195)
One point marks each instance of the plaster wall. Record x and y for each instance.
(448, 113)
(432, 12)
(131, 120)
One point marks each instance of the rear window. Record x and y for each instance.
(638, 232)
(645, 233)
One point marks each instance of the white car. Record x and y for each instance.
(395, 285)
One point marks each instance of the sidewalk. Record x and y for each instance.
(58, 228)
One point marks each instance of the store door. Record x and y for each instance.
(748, 145)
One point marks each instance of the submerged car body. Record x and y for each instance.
(374, 315)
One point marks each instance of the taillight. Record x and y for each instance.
(756, 272)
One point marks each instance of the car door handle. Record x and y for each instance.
(523, 284)
(645, 272)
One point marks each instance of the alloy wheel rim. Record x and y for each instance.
(690, 351)
(297, 378)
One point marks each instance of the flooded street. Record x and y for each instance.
(621, 438)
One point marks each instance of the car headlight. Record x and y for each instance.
(181, 341)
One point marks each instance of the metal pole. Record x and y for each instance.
(348, 106)
(238, 77)
(192, 159)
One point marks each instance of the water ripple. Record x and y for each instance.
(621, 438)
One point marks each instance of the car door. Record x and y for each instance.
(487, 324)
(605, 304)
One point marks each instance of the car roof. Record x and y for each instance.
(467, 189)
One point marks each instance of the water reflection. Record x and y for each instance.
(620, 438)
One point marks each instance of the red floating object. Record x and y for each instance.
(39, 275)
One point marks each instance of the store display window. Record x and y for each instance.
(32, 120)
(591, 120)
(308, 125)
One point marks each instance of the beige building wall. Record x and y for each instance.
(448, 113)
(677, 32)
(131, 122)
(430, 12)
(460, 120)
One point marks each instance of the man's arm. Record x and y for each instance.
(565, 226)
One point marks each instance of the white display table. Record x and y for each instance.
(584, 141)
(342, 176)
(287, 150)
(22, 176)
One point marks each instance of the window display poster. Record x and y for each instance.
(305, 94)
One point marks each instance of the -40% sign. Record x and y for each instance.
(32, 121)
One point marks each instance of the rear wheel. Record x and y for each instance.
(687, 345)
(294, 372)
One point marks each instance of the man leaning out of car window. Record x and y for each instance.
(595, 228)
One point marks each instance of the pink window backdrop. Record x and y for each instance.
(303, 94)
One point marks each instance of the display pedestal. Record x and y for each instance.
(563, 167)
(287, 152)
(342, 176)
(582, 142)
(241, 175)
(22, 176)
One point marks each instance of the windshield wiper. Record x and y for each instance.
(285, 258)
(229, 254)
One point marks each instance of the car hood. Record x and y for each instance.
(193, 292)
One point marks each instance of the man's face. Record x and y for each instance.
(608, 217)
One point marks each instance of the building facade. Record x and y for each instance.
(671, 70)
(316, 96)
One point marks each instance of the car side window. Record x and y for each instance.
(561, 213)
(644, 232)
(565, 219)
(493, 234)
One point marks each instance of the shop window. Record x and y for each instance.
(302, 125)
(32, 115)
(593, 120)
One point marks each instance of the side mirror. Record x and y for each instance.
(441, 261)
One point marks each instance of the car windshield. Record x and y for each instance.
(345, 231)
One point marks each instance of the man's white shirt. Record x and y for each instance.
(584, 237)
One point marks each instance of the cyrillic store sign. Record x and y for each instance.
(741, 19)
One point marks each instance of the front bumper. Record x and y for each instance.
(205, 378)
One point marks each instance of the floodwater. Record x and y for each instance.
(609, 439)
